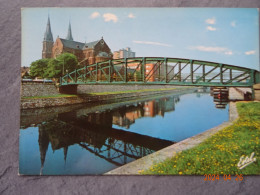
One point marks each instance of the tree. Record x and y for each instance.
(65, 62)
(38, 68)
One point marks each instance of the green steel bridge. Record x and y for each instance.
(162, 71)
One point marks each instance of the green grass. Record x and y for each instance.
(49, 96)
(220, 153)
(130, 91)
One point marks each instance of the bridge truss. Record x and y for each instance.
(157, 70)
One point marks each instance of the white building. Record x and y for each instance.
(124, 53)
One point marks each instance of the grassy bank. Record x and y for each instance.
(102, 93)
(131, 91)
(50, 96)
(220, 153)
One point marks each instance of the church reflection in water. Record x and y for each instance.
(96, 131)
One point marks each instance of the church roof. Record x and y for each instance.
(48, 33)
(91, 44)
(72, 44)
(78, 45)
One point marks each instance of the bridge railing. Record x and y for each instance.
(155, 70)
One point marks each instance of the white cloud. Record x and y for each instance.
(233, 24)
(131, 15)
(95, 15)
(223, 50)
(252, 52)
(229, 53)
(110, 17)
(211, 21)
(210, 28)
(152, 43)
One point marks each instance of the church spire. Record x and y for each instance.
(69, 35)
(48, 33)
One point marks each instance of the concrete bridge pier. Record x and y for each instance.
(68, 89)
(256, 92)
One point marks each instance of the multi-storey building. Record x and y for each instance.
(124, 53)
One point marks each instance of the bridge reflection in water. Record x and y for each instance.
(95, 133)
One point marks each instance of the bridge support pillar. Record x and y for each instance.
(256, 92)
(68, 89)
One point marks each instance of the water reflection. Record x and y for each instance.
(94, 132)
(220, 95)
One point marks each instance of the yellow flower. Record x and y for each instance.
(140, 171)
(188, 164)
(180, 173)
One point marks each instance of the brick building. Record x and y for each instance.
(86, 53)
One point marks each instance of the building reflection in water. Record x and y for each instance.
(220, 95)
(95, 133)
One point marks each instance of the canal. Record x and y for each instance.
(96, 138)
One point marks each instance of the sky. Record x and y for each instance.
(223, 35)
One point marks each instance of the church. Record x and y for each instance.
(86, 53)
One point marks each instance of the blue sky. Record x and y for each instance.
(224, 35)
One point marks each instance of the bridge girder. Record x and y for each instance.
(162, 71)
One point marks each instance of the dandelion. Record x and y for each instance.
(180, 173)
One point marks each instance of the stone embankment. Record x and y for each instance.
(27, 103)
(31, 89)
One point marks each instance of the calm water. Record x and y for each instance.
(93, 139)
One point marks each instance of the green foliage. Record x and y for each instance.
(53, 68)
(220, 153)
(26, 76)
(38, 68)
(58, 67)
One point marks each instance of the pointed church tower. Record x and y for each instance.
(69, 35)
(47, 41)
